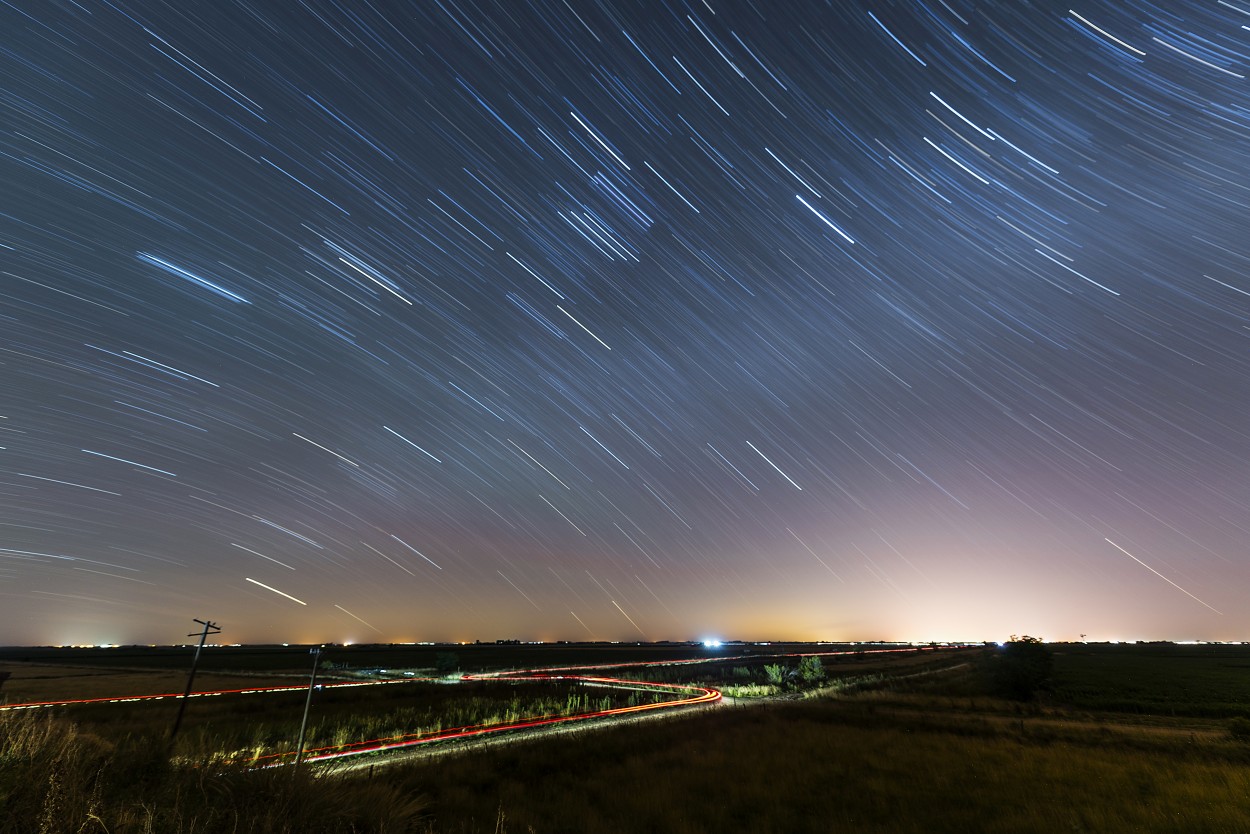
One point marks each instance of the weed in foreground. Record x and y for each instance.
(55, 779)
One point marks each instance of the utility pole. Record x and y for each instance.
(209, 628)
(312, 681)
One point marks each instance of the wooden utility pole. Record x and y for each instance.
(209, 628)
(312, 681)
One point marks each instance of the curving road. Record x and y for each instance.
(688, 696)
(684, 695)
(691, 695)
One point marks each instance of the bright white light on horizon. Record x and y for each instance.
(711, 643)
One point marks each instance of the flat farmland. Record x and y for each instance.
(54, 682)
(1203, 680)
(59, 674)
(53, 673)
(470, 657)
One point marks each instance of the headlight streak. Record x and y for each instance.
(699, 695)
(259, 690)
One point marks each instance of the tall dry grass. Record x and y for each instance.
(55, 779)
(813, 766)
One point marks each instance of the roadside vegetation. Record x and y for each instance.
(110, 768)
(263, 726)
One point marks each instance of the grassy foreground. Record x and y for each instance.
(54, 779)
(928, 751)
(793, 767)
(822, 766)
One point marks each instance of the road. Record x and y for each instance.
(683, 696)
(690, 695)
(687, 696)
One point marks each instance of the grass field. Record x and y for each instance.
(814, 766)
(897, 743)
(1155, 678)
(927, 751)
(47, 682)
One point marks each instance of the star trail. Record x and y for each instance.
(648, 319)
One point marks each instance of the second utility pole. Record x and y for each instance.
(312, 680)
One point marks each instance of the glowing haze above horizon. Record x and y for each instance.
(384, 322)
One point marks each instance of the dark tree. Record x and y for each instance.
(447, 661)
(1022, 668)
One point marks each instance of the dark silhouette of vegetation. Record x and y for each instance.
(808, 673)
(1022, 669)
(1207, 681)
(446, 662)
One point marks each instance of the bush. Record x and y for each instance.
(1022, 668)
(1239, 729)
(749, 690)
(811, 670)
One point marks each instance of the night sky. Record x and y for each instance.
(570, 319)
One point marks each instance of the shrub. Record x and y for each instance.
(1022, 668)
(749, 690)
